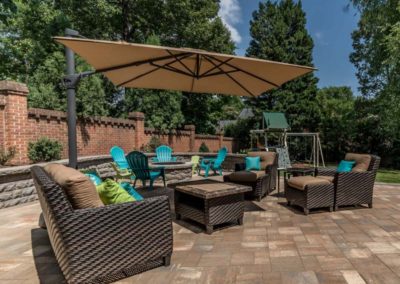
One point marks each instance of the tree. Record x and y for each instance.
(337, 121)
(377, 59)
(47, 92)
(278, 31)
(29, 54)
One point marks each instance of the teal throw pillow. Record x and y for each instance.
(94, 178)
(253, 163)
(345, 166)
(131, 190)
(111, 192)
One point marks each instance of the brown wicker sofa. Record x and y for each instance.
(355, 187)
(263, 182)
(108, 243)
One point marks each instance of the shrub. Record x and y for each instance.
(203, 148)
(6, 155)
(152, 145)
(44, 150)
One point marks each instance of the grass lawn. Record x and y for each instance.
(389, 176)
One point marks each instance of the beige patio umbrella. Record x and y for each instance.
(156, 67)
(182, 69)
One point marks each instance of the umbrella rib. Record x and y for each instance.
(196, 71)
(246, 72)
(138, 76)
(183, 64)
(148, 72)
(219, 73)
(140, 62)
(229, 76)
(215, 67)
(172, 69)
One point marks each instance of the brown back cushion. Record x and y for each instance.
(79, 188)
(266, 158)
(362, 161)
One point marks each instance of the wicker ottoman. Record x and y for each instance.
(310, 192)
(210, 202)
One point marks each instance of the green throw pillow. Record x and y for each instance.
(112, 193)
(253, 163)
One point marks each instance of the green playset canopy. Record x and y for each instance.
(275, 121)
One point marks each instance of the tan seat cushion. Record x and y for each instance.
(80, 190)
(246, 176)
(362, 161)
(302, 181)
(328, 178)
(266, 158)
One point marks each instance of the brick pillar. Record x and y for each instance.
(138, 118)
(192, 134)
(171, 134)
(220, 139)
(14, 119)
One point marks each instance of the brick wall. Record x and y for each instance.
(95, 135)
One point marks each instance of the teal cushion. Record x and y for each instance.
(253, 163)
(94, 178)
(131, 190)
(111, 192)
(345, 166)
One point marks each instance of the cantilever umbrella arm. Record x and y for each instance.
(72, 81)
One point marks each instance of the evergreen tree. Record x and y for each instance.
(278, 31)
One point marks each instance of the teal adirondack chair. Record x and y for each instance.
(214, 164)
(118, 156)
(164, 154)
(139, 164)
(120, 164)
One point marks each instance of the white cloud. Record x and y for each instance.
(230, 13)
(320, 38)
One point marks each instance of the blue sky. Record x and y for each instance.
(328, 24)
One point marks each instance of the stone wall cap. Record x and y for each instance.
(13, 86)
(189, 127)
(136, 115)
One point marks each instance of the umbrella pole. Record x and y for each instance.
(71, 105)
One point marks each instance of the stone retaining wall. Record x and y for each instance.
(16, 185)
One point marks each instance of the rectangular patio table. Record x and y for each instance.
(210, 202)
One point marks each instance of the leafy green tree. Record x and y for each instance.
(44, 93)
(337, 121)
(377, 59)
(278, 31)
(241, 131)
(375, 43)
(29, 54)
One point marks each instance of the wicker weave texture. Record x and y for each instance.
(314, 196)
(105, 244)
(260, 188)
(356, 188)
(209, 212)
(263, 185)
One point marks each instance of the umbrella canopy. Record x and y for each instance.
(182, 69)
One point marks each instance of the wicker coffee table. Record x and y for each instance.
(210, 202)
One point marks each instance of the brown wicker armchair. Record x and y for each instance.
(355, 187)
(104, 244)
(263, 182)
